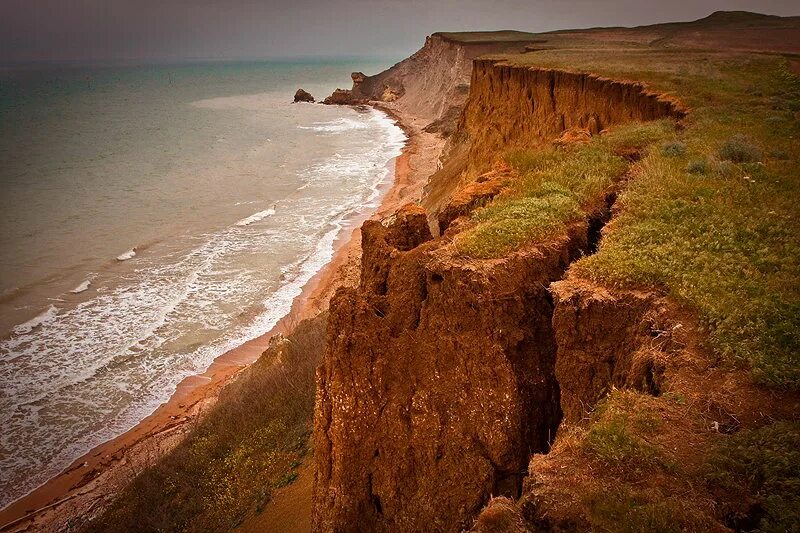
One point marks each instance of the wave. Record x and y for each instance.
(256, 217)
(42, 318)
(339, 125)
(82, 287)
(130, 254)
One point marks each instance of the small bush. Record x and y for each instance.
(698, 166)
(740, 150)
(673, 149)
(614, 435)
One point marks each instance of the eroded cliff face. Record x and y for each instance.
(511, 107)
(605, 340)
(432, 84)
(440, 377)
(437, 383)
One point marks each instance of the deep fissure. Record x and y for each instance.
(594, 227)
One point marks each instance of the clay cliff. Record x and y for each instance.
(439, 378)
(512, 107)
(433, 83)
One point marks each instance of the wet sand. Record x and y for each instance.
(90, 482)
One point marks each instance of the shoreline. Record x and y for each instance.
(94, 478)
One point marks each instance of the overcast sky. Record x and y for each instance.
(168, 30)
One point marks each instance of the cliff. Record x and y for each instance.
(575, 370)
(439, 377)
(433, 83)
(511, 107)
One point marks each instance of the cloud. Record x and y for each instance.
(183, 29)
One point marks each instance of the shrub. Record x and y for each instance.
(697, 166)
(614, 435)
(740, 150)
(673, 149)
(625, 511)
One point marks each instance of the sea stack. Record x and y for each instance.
(303, 96)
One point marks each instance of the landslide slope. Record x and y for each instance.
(604, 332)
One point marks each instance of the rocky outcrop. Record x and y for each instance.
(303, 96)
(343, 97)
(474, 195)
(438, 380)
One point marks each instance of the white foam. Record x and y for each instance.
(107, 362)
(130, 254)
(82, 287)
(339, 125)
(40, 319)
(256, 217)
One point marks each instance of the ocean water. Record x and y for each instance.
(151, 218)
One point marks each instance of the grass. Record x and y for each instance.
(630, 482)
(624, 510)
(558, 186)
(489, 36)
(710, 216)
(617, 434)
(250, 443)
(765, 462)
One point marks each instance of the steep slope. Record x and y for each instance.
(415, 429)
(433, 83)
(645, 387)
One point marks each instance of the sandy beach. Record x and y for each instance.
(91, 481)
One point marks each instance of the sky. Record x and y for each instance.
(175, 30)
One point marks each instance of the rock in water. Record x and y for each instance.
(341, 97)
(302, 96)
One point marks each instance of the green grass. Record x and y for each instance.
(623, 510)
(766, 463)
(617, 434)
(250, 443)
(722, 239)
(710, 216)
(558, 186)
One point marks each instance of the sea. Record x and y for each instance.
(151, 219)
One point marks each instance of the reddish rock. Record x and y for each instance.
(358, 78)
(471, 196)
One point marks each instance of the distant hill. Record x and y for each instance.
(734, 30)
